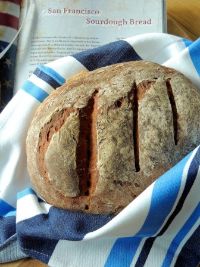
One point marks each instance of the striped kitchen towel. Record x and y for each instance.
(9, 21)
(161, 227)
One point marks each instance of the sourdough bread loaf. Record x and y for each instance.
(99, 140)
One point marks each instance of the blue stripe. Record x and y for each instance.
(180, 236)
(42, 232)
(45, 77)
(159, 210)
(52, 73)
(185, 257)
(112, 53)
(7, 229)
(35, 91)
(25, 192)
(191, 175)
(5, 208)
(123, 252)
(194, 51)
(145, 252)
(11, 213)
(187, 42)
(168, 184)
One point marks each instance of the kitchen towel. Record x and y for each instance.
(161, 227)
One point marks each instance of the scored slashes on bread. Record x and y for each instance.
(99, 140)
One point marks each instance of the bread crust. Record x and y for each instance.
(99, 140)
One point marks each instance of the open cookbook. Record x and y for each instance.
(42, 31)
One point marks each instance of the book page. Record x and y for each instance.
(58, 28)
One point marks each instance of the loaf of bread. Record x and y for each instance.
(99, 140)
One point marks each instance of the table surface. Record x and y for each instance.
(183, 20)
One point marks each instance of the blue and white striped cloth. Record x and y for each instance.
(161, 227)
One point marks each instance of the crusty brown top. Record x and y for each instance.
(99, 140)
